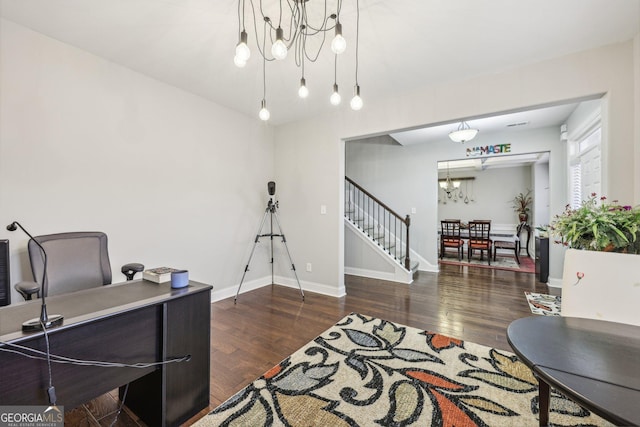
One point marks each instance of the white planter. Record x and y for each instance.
(609, 289)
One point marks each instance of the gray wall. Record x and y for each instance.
(68, 121)
(405, 177)
(311, 153)
(173, 180)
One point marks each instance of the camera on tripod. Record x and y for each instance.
(270, 213)
(271, 188)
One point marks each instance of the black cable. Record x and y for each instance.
(357, 35)
(51, 391)
(280, 19)
(49, 358)
(117, 411)
(264, 68)
(54, 358)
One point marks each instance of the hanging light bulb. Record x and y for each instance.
(305, 39)
(264, 113)
(335, 96)
(242, 49)
(240, 63)
(338, 44)
(303, 92)
(356, 101)
(279, 49)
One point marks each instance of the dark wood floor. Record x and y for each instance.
(268, 324)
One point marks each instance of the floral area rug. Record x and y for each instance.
(543, 304)
(370, 372)
(527, 265)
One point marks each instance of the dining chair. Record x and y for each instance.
(513, 245)
(479, 239)
(450, 237)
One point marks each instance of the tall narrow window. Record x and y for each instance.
(585, 166)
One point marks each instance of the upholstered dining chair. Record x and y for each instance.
(479, 239)
(513, 245)
(450, 237)
(75, 260)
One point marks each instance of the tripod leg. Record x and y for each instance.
(293, 267)
(271, 244)
(246, 268)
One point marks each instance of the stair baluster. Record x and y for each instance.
(381, 223)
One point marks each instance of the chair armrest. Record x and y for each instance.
(27, 289)
(131, 269)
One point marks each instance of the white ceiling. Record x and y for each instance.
(503, 161)
(509, 122)
(403, 43)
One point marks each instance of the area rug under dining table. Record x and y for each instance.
(502, 262)
(366, 371)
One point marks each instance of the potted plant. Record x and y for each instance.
(601, 269)
(521, 205)
(598, 225)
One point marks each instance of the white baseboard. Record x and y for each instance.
(319, 288)
(230, 291)
(554, 282)
(428, 268)
(371, 274)
(423, 264)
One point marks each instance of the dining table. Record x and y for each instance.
(504, 234)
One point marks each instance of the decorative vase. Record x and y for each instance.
(523, 217)
(601, 285)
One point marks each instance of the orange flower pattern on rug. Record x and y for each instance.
(366, 371)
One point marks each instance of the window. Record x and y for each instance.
(585, 166)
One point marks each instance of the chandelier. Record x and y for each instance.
(295, 27)
(449, 186)
(464, 133)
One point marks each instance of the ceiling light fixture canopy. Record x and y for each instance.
(464, 133)
(295, 27)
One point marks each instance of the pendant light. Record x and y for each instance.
(356, 101)
(464, 133)
(286, 33)
(335, 96)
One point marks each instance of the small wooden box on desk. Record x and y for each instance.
(131, 322)
(542, 259)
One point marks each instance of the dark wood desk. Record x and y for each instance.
(595, 363)
(131, 322)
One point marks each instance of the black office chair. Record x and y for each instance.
(76, 260)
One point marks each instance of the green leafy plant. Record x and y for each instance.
(598, 225)
(522, 202)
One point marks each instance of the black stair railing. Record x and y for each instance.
(380, 222)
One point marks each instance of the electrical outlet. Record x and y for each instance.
(414, 211)
(323, 209)
(309, 267)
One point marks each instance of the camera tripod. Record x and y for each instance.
(271, 213)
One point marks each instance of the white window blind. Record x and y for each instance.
(585, 166)
(575, 175)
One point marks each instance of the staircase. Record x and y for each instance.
(384, 229)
